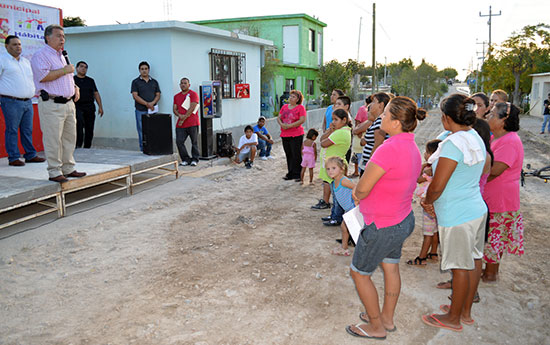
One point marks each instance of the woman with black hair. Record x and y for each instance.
(502, 189)
(482, 105)
(454, 197)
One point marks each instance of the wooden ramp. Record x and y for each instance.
(112, 170)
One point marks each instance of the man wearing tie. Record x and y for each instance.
(53, 78)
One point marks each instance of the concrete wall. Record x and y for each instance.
(113, 58)
(539, 92)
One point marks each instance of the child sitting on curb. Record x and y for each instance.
(246, 151)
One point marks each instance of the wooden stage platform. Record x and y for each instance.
(112, 170)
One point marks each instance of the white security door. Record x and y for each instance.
(291, 45)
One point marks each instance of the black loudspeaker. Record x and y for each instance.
(157, 134)
(224, 144)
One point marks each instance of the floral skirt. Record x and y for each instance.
(505, 233)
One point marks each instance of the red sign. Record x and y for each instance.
(242, 90)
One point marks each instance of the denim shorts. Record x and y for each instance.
(375, 246)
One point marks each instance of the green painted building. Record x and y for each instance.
(294, 60)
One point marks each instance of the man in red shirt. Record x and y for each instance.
(186, 109)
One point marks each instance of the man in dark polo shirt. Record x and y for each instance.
(146, 93)
(85, 107)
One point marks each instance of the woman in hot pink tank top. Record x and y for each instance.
(385, 192)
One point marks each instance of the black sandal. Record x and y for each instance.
(431, 256)
(418, 261)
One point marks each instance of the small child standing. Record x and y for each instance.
(429, 224)
(247, 147)
(309, 155)
(342, 188)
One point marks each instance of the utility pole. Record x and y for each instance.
(482, 63)
(385, 69)
(374, 47)
(489, 22)
(359, 39)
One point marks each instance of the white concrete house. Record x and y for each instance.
(174, 50)
(539, 92)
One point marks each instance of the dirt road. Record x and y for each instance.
(240, 258)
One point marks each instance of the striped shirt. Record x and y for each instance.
(43, 62)
(343, 195)
(369, 138)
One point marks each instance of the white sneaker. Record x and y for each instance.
(193, 164)
(270, 157)
(184, 163)
(263, 158)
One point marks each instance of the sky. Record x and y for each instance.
(444, 33)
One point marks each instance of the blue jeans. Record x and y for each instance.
(18, 115)
(546, 121)
(264, 147)
(336, 212)
(138, 127)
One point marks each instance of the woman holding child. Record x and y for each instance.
(454, 197)
(385, 192)
(291, 117)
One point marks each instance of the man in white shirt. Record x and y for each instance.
(16, 91)
(246, 151)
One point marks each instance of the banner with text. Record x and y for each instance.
(28, 22)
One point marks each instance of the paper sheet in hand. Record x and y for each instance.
(154, 111)
(355, 222)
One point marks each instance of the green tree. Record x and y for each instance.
(448, 73)
(333, 75)
(73, 21)
(509, 65)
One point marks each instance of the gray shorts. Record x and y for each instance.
(243, 156)
(375, 246)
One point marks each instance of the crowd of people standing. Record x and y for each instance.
(468, 188)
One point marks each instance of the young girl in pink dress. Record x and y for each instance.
(309, 155)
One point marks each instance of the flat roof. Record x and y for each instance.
(171, 24)
(242, 19)
(540, 74)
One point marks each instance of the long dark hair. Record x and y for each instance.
(482, 128)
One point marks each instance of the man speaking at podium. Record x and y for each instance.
(53, 78)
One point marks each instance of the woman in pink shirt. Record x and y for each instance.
(385, 192)
(291, 117)
(502, 189)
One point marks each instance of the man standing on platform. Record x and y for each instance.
(16, 91)
(187, 125)
(146, 93)
(85, 107)
(53, 78)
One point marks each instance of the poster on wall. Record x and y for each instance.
(28, 22)
(242, 90)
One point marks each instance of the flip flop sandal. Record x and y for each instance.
(446, 308)
(364, 334)
(445, 285)
(426, 319)
(477, 299)
(418, 261)
(365, 319)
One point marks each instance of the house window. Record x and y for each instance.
(312, 40)
(228, 67)
(289, 85)
(310, 87)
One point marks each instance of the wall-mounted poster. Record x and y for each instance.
(28, 22)
(242, 90)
